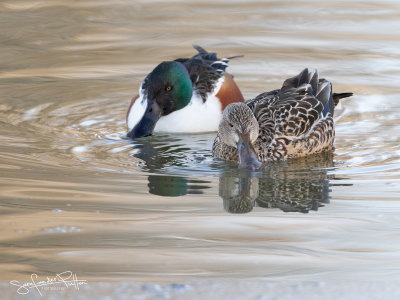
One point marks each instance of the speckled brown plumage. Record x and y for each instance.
(294, 121)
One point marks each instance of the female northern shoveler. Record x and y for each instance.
(184, 95)
(293, 121)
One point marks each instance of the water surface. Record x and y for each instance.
(76, 195)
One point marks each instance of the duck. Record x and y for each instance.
(294, 121)
(186, 95)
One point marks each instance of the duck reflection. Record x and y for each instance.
(239, 193)
(158, 154)
(167, 154)
(298, 185)
(173, 186)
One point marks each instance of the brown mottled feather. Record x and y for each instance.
(294, 121)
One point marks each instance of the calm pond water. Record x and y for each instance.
(76, 195)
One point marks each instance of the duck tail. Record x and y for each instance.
(324, 94)
(295, 82)
(338, 96)
(329, 99)
(235, 56)
(200, 49)
(339, 108)
(308, 83)
(204, 53)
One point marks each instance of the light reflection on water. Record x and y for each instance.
(75, 194)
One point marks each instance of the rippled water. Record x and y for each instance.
(76, 195)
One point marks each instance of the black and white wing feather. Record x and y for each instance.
(205, 69)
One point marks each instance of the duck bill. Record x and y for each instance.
(145, 126)
(247, 155)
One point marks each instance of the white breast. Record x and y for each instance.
(195, 117)
(137, 110)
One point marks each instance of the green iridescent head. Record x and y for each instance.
(170, 86)
(166, 89)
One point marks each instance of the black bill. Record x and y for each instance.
(146, 125)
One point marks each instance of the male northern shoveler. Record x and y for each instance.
(294, 121)
(184, 95)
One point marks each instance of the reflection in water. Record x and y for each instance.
(298, 185)
(175, 154)
(156, 152)
(172, 186)
(167, 154)
(239, 192)
(167, 185)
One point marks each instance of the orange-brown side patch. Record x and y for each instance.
(229, 92)
(130, 106)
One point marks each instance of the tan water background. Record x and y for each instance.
(75, 195)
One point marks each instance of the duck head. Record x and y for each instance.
(239, 128)
(166, 89)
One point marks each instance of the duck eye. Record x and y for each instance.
(230, 124)
(168, 88)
